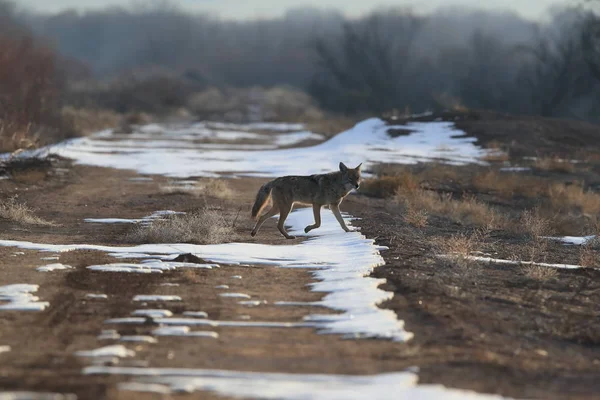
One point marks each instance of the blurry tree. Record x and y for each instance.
(366, 68)
(556, 75)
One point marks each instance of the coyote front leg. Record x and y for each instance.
(335, 208)
(317, 214)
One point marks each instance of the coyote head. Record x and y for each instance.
(351, 176)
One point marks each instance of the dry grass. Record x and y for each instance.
(388, 186)
(460, 244)
(574, 196)
(204, 227)
(554, 164)
(534, 224)
(467, 210)
(588, 257)
(507, 185)
(86, 121)
(415, 217)
(459, 247)
(217, 188)
(539, 272)
(20, 213)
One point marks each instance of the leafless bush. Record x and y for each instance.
(204, 227)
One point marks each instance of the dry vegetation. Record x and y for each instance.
(539, 272)
(86, 121)
(205, 226)
(217, 188)
(480, 203)
(12, 210)
(554, 164)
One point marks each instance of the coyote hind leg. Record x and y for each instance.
(273, 211)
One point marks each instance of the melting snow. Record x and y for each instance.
(108, 334)
(116, 350)
(139, 338)
(367, 142)
(96, 296)
(20, 298)
(341, 263)
(153, 313)
(36, 396)
(156, 297)
(156, 266)
(144, 220)
(183, 331)
(517, 262)
(53, 267)
(197, 314)
(574, 240)
(252, 303)
(390, 386)
(235, 295)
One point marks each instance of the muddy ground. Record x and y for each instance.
(488, 328)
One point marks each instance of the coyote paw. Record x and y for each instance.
(307, 229)
(290, 237)
(252, 233)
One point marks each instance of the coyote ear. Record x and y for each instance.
(343, 168)
(357, 168)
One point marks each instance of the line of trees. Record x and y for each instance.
(389, 59)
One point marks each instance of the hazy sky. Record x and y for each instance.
(240, 9)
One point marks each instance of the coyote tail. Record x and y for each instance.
(263, 195)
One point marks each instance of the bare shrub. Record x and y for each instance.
(459, 244)
(534, 224)
(20, 213)
(29, 95)
(415, 217)
(204, 227)
(458, 249)
(554, 164)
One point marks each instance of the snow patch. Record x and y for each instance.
(390, 386)
(96, 296)
(116, 350)
(183, 331)
(153, 313)
(367, 142)
(235, 295)
(53, 267)
(156, 297)
(19, 297)
(139, 338)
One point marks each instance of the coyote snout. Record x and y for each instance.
(318, 190)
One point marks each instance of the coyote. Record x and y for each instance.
(318, 190)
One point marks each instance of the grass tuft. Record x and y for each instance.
(205, 226)
(20, 213)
